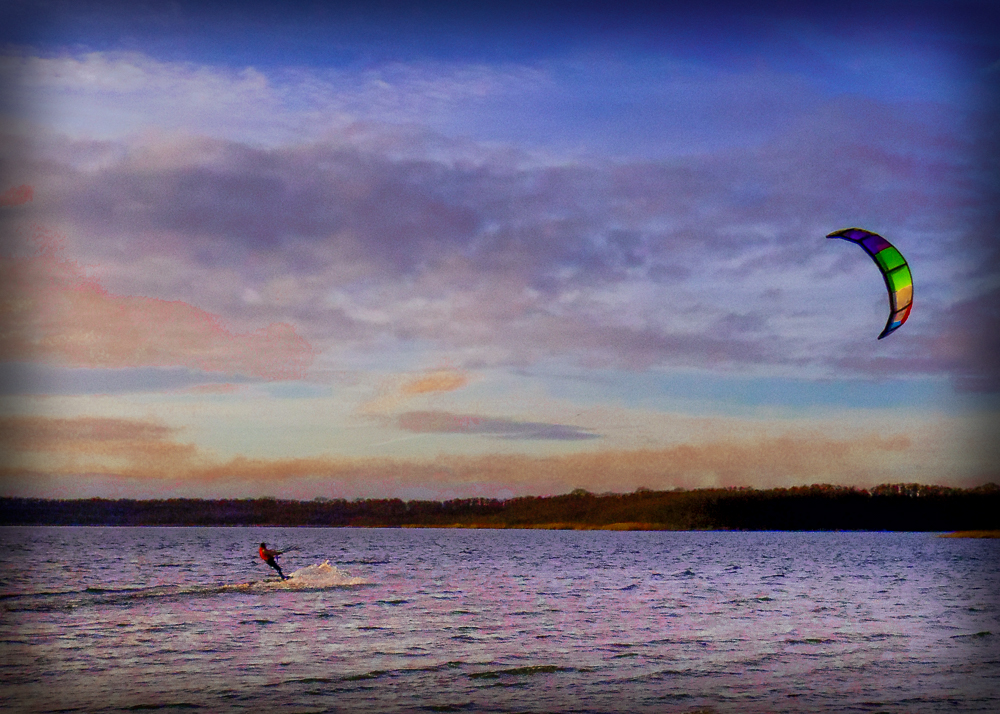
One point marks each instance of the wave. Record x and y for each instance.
(521, 671)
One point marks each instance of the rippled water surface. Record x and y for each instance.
(140, 619)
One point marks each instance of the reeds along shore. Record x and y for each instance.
(896, 507)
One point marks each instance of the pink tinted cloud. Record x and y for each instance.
(147, 454)
(54, 312)
(136, 441)
(441, 380)
(395, 392)
(48, 433)
(17, 195)
(225, 388)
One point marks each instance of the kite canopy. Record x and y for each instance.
(895, 271)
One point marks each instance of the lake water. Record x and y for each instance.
(142, 619)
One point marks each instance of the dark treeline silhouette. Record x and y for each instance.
(896, 507)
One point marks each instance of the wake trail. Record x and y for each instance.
(312, 577)
(321, 576)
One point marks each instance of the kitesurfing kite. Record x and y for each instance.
(895, 271)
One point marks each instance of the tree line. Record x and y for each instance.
(892, 507)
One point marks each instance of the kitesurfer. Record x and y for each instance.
(267, 556)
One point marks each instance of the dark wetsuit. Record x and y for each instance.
(268, 557)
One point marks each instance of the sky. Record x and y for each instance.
(434, 251)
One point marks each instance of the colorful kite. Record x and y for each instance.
(894, 269)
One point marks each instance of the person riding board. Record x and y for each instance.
(267, 556)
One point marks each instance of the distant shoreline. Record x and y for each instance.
(961, 513)
(653, 528)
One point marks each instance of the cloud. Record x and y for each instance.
(145, 457)
(442, 380)
(17, 195)
(224, 388)
(53, 312)
(36, 378)
(438, 422)
(395, 391)
(74, 94)
(377, 237)
(79, 442)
